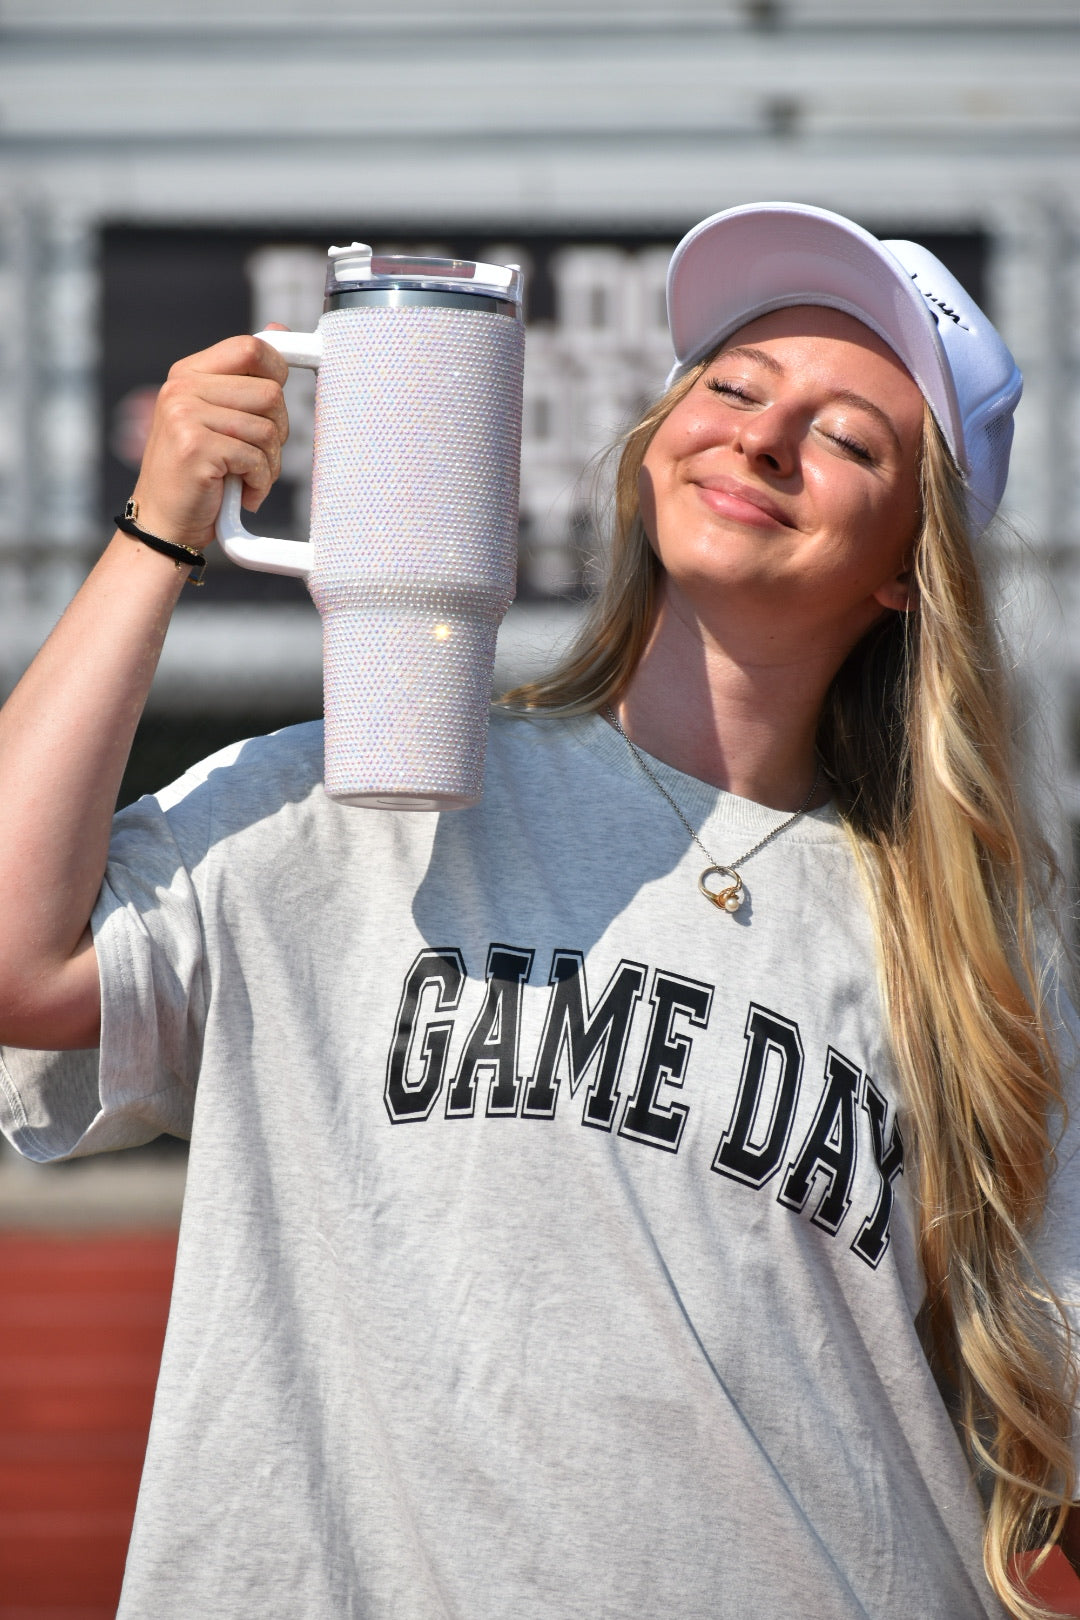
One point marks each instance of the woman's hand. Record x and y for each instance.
(220, 411)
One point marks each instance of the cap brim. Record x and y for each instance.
(748, 261)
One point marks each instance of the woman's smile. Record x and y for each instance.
(743, 503)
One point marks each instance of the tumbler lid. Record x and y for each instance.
(356, 266)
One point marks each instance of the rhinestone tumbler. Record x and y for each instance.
(414, 505)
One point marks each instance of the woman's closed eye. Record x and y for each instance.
(852, 447)
(727, 390)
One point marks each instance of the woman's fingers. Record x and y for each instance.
(243, 356)
(247, 408)
(264, 433)
(228, 452)
(221, 411)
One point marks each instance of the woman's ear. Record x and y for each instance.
(898, 593)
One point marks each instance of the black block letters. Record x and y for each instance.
(584, 1042)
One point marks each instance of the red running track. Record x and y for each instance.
(82, 1321)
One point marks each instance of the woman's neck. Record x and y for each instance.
(747, 725)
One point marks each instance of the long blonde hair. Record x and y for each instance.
(916, 738)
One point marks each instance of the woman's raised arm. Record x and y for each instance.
(66, 731)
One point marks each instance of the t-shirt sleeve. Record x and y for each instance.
(148, 936)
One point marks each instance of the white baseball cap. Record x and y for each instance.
(750, 260)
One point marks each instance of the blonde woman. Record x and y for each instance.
(645, 1194)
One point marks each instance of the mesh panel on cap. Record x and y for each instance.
(993, 455)
(998, 432)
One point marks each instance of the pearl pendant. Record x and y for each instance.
(731, 896)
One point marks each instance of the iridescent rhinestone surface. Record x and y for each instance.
(414, 525)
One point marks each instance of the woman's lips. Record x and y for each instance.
(744, 503)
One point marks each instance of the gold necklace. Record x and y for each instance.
(731, 896)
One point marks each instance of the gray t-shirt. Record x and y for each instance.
(547, 1249)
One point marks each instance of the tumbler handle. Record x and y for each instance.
(260, 551)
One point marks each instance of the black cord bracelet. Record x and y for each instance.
(182, 556)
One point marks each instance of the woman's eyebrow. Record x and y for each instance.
(846, 395)
(745, 352)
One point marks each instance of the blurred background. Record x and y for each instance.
(174, 170)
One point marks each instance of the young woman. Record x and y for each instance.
(646, 1193)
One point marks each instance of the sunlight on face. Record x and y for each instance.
(788, 477)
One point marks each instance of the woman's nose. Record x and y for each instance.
(769, 438)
